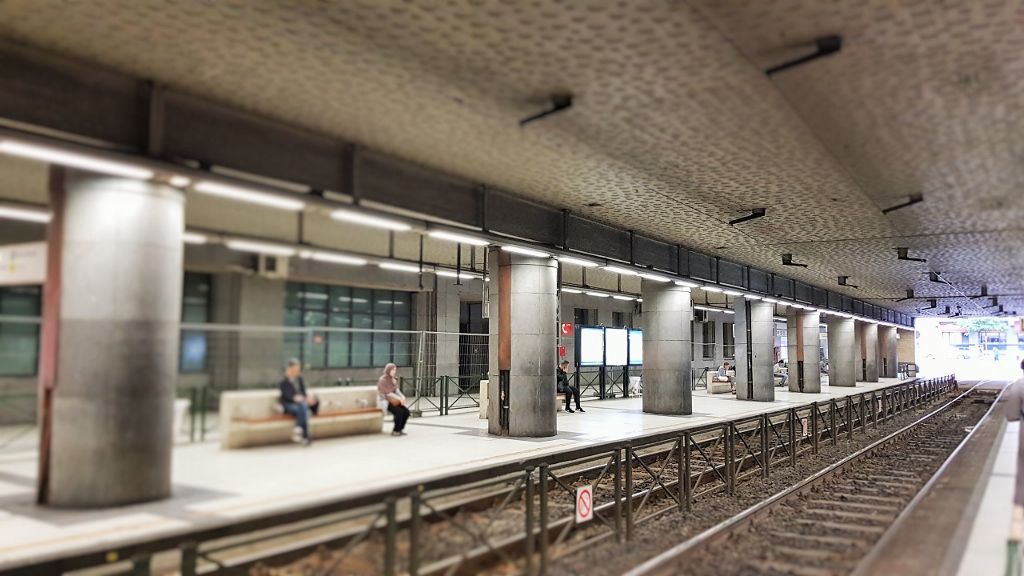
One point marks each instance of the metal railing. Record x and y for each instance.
(523, 513)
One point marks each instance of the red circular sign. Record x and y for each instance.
(566, 329)
(584, 504)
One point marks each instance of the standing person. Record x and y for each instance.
(387, 388)
(295, 400)
(565, 387)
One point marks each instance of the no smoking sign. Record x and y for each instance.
(584, 503)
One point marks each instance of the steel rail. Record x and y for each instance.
(666, 560)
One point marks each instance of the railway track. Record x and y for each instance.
(827, 524)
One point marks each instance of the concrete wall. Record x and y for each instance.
(906, 349)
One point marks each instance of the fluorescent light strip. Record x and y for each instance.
(460, 238)
(400, 267)
(577, 261)
(194, 238)
(459, 275)
(655, 277)
(620, 297)
(250, 196)
(25, 214)
(74, 159)
(732, 293)
(729, 311)
(712, 309)
(597, 294)
(710, 289)
(770, 300)
(260, 248)
(620, 270)
(335, 258)
(180, 181)
(752, 297)
(571, 290)
(525, 251)
(356, 217)
(687, 284)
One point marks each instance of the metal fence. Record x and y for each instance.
(523, 514)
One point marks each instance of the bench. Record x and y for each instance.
(254, 418)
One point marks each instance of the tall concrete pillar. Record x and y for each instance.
(841, 352)
(119, 246)
(867, 367)
(523, 307)
(887, 352)
(667, 322)
(755, 331)
(802, 329)
(905, 348)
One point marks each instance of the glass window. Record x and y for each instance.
(376, 311)
(195, 309)
(19, 340)
(708, 332)
(729, 339)
(622, 320)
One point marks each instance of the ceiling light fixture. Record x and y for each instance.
(260, 248)
(459, 238)
(753, 297)
(687, 284)
(577, 261)
(459, 275)
(787, 260)
(179, 181)
(732, 293)
(250, 196)
(655, 277)
(335, 258)
(597, 294)
(194, 238)
(74, 159)
(754, 213)
(910, 295)
(710, 289)
(571, 290)
(399, 267)
(361, 218)
(25, 214)
(845, 281)
(911, 200)
(526, 251)
(620, 270)
(904, 254)
(621, 297)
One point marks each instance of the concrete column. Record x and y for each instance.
(803, 343)
(120, 305)
(887, 353)
(755, 337)
(523, 322)
(867, 366)
(905, 347)
(841, 352)
(667, 318)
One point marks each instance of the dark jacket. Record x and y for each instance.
(289, 390)
(563, 380)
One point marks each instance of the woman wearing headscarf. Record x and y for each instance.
(387, 389)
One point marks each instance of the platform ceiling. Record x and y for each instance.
(675, 128)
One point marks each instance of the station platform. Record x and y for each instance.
(213, 485)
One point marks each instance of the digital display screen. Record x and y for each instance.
(616, 341)
(591, 346)
(636, 347)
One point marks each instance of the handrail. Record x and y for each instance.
(100, 555)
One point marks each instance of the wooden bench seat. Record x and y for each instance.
(253, 417)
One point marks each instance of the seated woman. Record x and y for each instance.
(387, 389)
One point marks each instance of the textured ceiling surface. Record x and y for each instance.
(675, 129)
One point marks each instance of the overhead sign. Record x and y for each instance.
(23, 264)
(584, 503)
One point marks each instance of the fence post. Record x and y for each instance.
(687, 489)
(815, 415)
(729, 455)
(849, 417)
(793, 421)
(543, 519)
(766, 459)
(415, 523)
(629, 493)
(832, 421)
(202, 414)
(391, 537)
(618, 495)
(528, 568)
(188, 558)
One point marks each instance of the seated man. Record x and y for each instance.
(294, 399)
(565, 387)
(782, 371)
